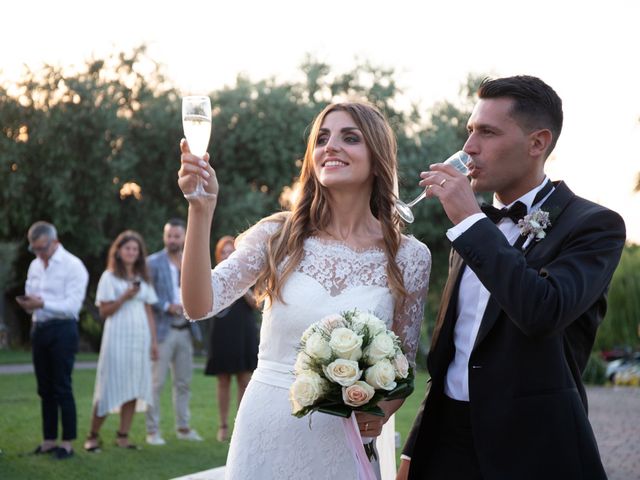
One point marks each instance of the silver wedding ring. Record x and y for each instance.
(443, 182)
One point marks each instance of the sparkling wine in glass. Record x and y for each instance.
(196, 123)
(458, 160)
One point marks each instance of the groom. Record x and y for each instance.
(521, 306)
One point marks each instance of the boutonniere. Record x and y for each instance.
(534, 225)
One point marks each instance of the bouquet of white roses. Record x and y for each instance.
(349, 362)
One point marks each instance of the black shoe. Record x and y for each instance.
(40, 451)
(125, 436)
(63, 453)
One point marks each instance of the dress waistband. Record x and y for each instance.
(274, 373)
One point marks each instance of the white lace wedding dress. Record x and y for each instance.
(268, 442)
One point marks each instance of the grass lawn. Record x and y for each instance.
(9, 357)
(20, 433)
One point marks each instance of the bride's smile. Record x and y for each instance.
(341, 155)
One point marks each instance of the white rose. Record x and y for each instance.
(357, 394)
(373, 323)
(401, 365)
(306, 389)
(317, 347)
(343, 372)
(381, 376)
(382, 346)
(308, 332)
(303, 362)
(346, 344)
(331, 322)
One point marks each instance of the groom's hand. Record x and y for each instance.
(452, 189)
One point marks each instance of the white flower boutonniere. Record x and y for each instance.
(534, 225)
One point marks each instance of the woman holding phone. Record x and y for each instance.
(123, 377)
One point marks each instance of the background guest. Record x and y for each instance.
(233, 345)
(123, 377)
(173, 331)
(54, 292)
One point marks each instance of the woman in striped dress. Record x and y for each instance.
(123, 380)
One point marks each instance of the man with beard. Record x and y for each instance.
(174, 332)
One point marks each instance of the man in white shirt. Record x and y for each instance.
(518, 316)
(175, 348)
(54, 293)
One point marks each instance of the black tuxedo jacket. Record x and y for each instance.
(527, 401)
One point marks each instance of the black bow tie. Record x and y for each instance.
(515, 212)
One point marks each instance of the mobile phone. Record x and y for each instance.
(22, 298)
(136, 283)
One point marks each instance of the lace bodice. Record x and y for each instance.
(330, 278)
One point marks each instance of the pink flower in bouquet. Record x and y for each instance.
(401, 365)
(357, 394)
(359, 361)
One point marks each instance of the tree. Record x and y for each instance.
(82, 151)
(622, 321)
(96, 152)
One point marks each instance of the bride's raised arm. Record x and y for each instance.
(195, 279)
(206, 292)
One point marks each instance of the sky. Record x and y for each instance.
(587, 51)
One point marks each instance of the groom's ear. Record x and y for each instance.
(539, 142)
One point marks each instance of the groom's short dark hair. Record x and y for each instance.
(536, 105)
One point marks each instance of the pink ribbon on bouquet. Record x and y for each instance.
(354, 440)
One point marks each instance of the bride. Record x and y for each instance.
(338, 249)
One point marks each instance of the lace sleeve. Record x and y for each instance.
(231, 278)
(414, 259)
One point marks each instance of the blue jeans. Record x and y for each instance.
(54, 346)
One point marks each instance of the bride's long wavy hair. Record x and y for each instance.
(311, 213)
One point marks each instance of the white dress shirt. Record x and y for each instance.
(178, 321)
(473, 298)
(62, 285)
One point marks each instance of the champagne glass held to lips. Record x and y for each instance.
(196, 123)
(458, 160)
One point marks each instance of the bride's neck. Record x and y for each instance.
(351, 218)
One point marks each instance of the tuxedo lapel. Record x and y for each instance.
(555, 205)
(491, 314)
(449, 295)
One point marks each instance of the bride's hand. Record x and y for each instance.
(192, 167)
(370, 425)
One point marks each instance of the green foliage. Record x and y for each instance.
(620, 326)
(20, 425)
(96, 152)
(8, 253)
(70, 144)
(595, 372)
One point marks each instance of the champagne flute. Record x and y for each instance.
(458, 160)
(196, 123)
